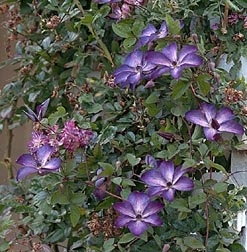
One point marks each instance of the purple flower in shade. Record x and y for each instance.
(106, 1)
(134, 2)
(214, 122)
(40, 111)
(134, 69)
(150, 33)
(164, 179)
(120, 12)
(40, 163)
(101, 185)
(174, 61)
(72, 137)
(38, 139)
(138, 212)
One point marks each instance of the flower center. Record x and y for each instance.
(138, 217)
(174, 63)
(139, 68)
(169, 184)
(215, 124)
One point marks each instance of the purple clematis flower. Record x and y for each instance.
(41, 163)
(174, 61)
(106, 1)
(101, 185)
(164, 179)
(120, 12)
(150, 33)
(214, 122)
(40, 111)
(134, 69)
(138, 212)
(134, 2)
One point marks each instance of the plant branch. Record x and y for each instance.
(98, 39)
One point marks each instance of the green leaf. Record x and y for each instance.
(137, 27)
(117, 180)
(218, 167)
(107, 134)
(132, 159)
(107, 169)
(97, 151)
(60, 113)
(127, 182)
(122, 30)
(4, 246)
(77, 198)
(59, 197)
(203, 83)
(181, 205)
(55, 236)
(232, 5)
(153, 110)
(128, 42)
(105, 204)
(173, 25)
(193, 243)
(109, 245)
(225, 250)
(179, 89)
(94, 108)
(74, 215)
(87, 19)
(126, 238)
(152, 98)
(242, 3)
(237, 247)
(197, 199)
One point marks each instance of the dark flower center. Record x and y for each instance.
(174, 63)
(138, 217)
(169, 184)
(139, 68)
(215, 124)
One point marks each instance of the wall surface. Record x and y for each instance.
(20, 135)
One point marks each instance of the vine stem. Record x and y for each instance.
(98, 39)
(114, 195)
(207, 222)
(225, 19)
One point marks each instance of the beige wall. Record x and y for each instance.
(20, 135)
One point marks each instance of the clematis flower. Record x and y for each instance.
(38, 139)
(41, 163)
(40, 111)
(120, 12)
(134, 2)
(134, 69)
(101, 185)
(106, 1)
(72, 137)
(214, 122)
(138, 212)
(174, 61)
(164, 179)
(150, 33)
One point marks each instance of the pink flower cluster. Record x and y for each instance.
(70, 137)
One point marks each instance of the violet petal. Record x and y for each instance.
(27, 160)
(184, 184)
(137, 227)
(24, 172)
(124, 208)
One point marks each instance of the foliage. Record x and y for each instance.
(76, 54)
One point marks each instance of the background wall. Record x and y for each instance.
(20, 135)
